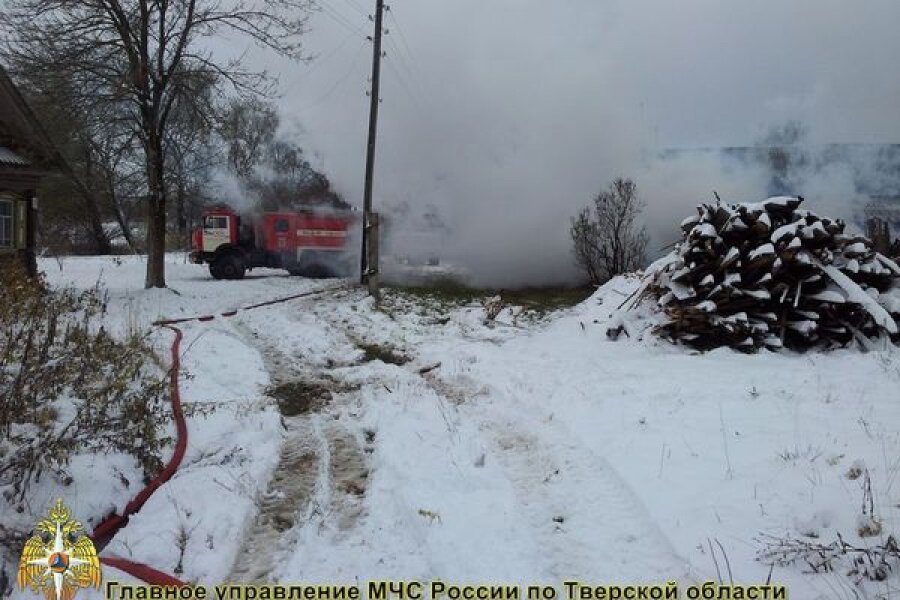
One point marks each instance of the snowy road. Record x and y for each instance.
(321, 469)
(538, 451)
(559, 490)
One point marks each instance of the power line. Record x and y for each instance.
(357, 8)
(397, 53)
(340, 19)
(413, 68)
(422, 93)
(318, 61)
(400, 33)
(334, 87)
(402, 79)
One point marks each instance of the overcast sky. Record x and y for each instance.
(508, 115)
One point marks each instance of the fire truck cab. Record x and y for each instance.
(311, 242)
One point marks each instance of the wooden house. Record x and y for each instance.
(26, 156)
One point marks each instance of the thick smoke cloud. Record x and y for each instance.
(509, 115)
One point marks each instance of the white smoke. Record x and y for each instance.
(509, 116)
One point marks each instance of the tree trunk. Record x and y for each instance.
(179, 205)
(125, 226)
(156, 216)
(101, 240)
(156, 242)
(184, 236)
(109, 175)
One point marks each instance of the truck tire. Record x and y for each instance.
(318, 271)
(316, 265)
(230, 266)
(215, 270)
(311, 271)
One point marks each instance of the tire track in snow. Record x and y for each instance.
(629, 541)
(602, 532)
(287, 498)
(348, 474)
(599, 532)
(321, 474)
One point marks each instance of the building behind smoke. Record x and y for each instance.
(873, 172)
(416, 246)
(414, 237)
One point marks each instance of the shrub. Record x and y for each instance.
(67, 386)
(607, 240)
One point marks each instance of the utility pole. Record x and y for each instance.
(369, 259)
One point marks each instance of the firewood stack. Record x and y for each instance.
(771, 275)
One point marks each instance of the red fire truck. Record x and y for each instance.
(311, 242)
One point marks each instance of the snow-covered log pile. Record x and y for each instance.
(772, 275)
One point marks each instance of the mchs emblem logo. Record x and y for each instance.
(59, 559)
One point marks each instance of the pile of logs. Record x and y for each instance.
(772, 275)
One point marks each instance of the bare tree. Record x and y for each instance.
(271, 168)
(122, 181)
(147, 57)
(193, 157)
(607, 239)
(192, 152)
(246, 127)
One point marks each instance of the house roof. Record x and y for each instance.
(8, 158)
(21, 134)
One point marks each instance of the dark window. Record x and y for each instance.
(6, 223)
(282, 225)
(213, 222)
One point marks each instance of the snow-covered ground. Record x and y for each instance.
(534, 453)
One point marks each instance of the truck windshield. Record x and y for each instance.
(212, 222)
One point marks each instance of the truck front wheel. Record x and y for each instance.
(229, 266)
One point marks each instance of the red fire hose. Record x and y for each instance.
(109, 526)
(104, 532)
(142, 572)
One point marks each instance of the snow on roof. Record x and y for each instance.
(8, 157)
